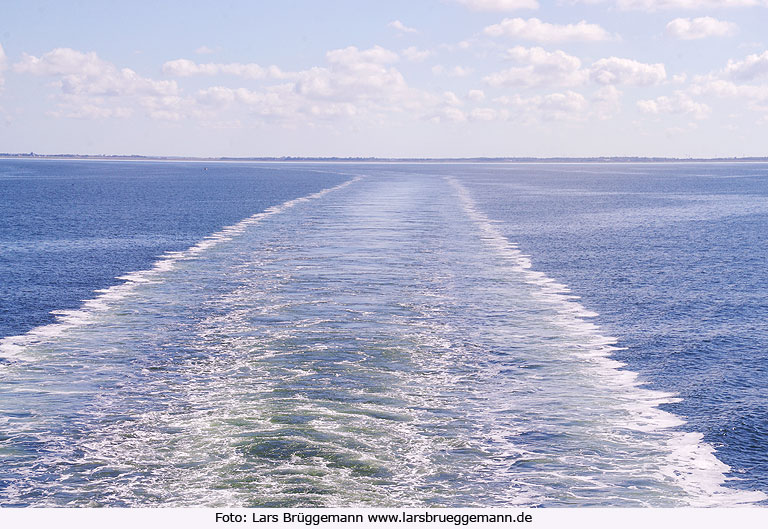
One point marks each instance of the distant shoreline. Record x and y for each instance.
(334, 159)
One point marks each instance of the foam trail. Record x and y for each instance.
(386, 345)
(688, 460)
(14, 347)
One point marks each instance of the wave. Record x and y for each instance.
(685, 458)
(13, 348)
(391, 346)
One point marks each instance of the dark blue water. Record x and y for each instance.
(674, 258)
(70, 227)
(384, 341)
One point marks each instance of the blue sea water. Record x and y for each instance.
(674, 259)
(383, 334)
(68, 228)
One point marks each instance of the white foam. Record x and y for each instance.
(17, 347)
(688, 461)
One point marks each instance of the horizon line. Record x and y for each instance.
(126, 157)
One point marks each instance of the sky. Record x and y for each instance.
(417, 78)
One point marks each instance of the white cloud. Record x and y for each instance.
(460, 71)
(63, 61)
(483, 114)
(414, 54)
(656, 5)
(729, 89)
(616, 70)
(355, 84)
(217, 96)
(751, 67)
(606, 101)
(187, 68)
(362, 77)
(559, 106)
(449, 98)
(476, 95)
(172, 108)
(402, 28)
(456, 71)
(539, 67)
(92, 88)
(567, 105)
(351, 56)
(499, 5)
(723, 84)
(700, 28)
(754, 97)
(277, 103)
(204, 50)
(282, 102)
(86, 73)
(536, 30)
(678, 103)
(449, 114)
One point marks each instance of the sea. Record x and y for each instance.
(200, 334)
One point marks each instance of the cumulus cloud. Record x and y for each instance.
(729, 89)
(657, 5)
(616, 70)
(402, 28)
(678, 103)
(499, 5)
(187, 68)
(538, 67)
(558, 106)
(363, 77)
(63, 61)
(92, 87)
(414, 54)
(361, 84)
(86, 73)
(351, 56)
(729, 82)
(567, 105)
(483, 114)
(451, 99)
(277, 102)
(448, 114)
(352, 74)
(173, 108)
(204, 50)
(476, 95)
(536, 30)
(606, 101)
(700, 28)
(753, 97)
(753, 66)
(456, 71)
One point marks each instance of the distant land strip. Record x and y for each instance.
(518, 159)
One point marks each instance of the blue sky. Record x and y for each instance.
(430, 78)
